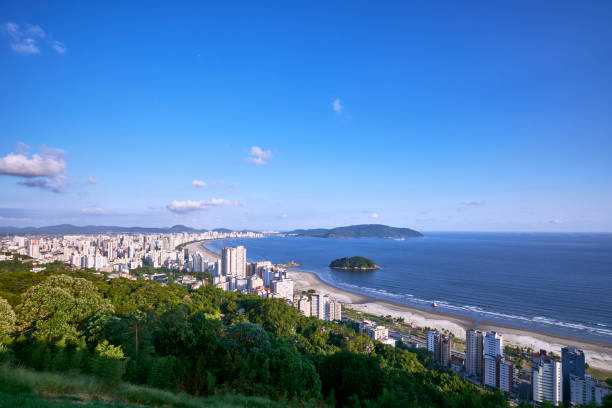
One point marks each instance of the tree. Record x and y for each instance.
(58, 306)
(7, 319)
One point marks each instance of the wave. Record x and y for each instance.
(593, 327)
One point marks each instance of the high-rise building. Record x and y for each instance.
(283, 287)
(374, 331)
(241, 262)
(546, 379)
(433, 344)
(506, 375)
(473, 352)
(492, 354)
(586, 390)
(445, 352)
(572, 363)
(303, 305)
(334, 311)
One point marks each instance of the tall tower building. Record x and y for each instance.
(572, 363)
(433, 344)
(473, 352)
(445, 351)
(241, 262)
(492, 348)
(547, 380)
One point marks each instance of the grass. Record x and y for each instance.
(21, 387)
(599, 374)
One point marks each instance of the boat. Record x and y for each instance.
(399, 239)
(434, 304)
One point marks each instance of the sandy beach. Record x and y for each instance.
(200, 246)
(598, 354)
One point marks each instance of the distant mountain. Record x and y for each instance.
(357, 231)
(100, 229)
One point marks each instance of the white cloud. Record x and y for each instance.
(93, 211)
(24, 40)
(45, 170)
(259, 156)
(374, 215)
(556, 221)
(198, 183)
(337, 105)
(183, 207)
(92, 180)
(58, 46)
(473, 203)
(284, 215)
(48, 164)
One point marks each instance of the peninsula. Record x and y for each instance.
(357, 231)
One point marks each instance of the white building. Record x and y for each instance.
(492, 349)
(546, 379)
(374, 331)
(303, 305)
(506, 375)
(283, 287)
(586, 390)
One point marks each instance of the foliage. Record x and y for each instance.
(56, 307)
(354, 262)
(208, 342)
(7, 319)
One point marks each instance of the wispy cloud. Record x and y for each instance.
(183, 207)
(93, 211)
(374, 215)
(25, 40)
(198, 183)
(337, 105)
(259, 156)
(473, 203)
(45, 170)
(92, 180)
(555, 221)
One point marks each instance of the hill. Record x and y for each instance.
(357, 263)
(357, 231)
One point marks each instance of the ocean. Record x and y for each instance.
(557, 283)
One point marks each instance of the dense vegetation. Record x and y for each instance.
(207, 343)
(358, 231)
(354, 262)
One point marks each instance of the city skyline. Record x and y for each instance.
(444, 118)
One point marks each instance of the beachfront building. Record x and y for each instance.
(283, 288)
(303, 305)
(445, 352)
(374, 331)
(440, 347)
(546, 378)
(492, 349)
(324, 308)
(233, 261)
(473, 352)
(506, 375)
(586, 390)
(572, 363)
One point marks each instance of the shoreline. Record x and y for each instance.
(597, 353)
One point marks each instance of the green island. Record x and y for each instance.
(354, 263)
(72, 338)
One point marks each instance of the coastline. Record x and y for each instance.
(598, 354)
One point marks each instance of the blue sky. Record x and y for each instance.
(467, 116)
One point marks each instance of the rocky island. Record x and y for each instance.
(354, 263)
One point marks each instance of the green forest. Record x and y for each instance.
(71, 332)
(354, 262)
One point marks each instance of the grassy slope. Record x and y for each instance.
(25, 388)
